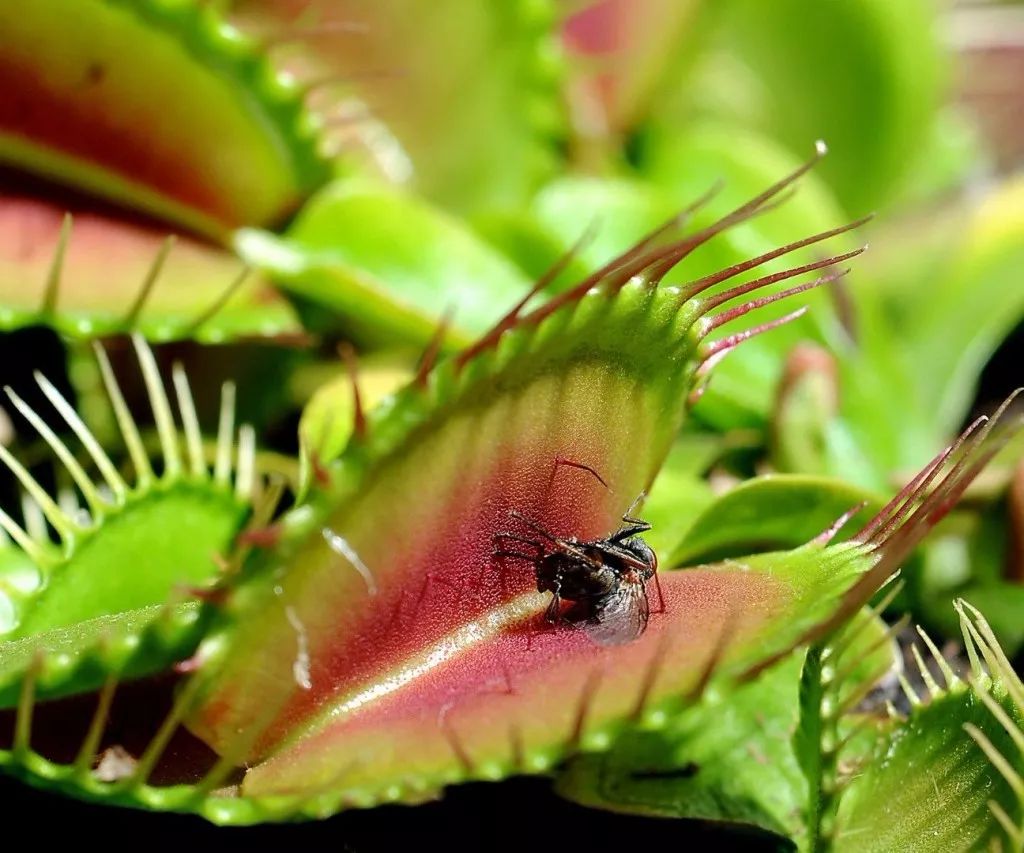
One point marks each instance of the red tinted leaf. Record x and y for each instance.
(156, 105)
(411, 610)
(99, 285)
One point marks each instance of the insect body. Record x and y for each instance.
(605, 579)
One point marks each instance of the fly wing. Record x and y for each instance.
(621, 617)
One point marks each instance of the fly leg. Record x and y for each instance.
(568, 463)
(499, 538)
(502, 545)
(553, 615)
(661, 598)
(631, 526)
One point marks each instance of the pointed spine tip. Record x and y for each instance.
(126, 424)
(433, 349)
(225, 434)
(830, 532)
(348, 355)
(161, 407)
(56, 271)
(245, 470)
(205, 316)
(189, 420)
(131, 316)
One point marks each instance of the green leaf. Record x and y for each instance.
(949, 776)
(161, 107)
(769, 512)
(963, 316)
(472, 93)
(165, 530)
(90, 274)
(329, 418)
(80, 656)
(173, 532)
(729, 759)
(733, 757)
(864, 75)
(388, 265)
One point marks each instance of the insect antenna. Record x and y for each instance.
(636, 502)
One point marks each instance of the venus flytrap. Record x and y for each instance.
(369, 645)
(411, 657)
(114, 58)
(531, 390)
(950, 768)
(163, 527)
(88, 273)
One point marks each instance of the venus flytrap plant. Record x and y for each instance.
(107, 272)
(347, 723)
(950, 770)
(96, 64)
(164, 527)
(381, 639)
(750, 754)
(87, 273)
(115, 74)
(373, 648)
(406, 61)
(542, 364)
